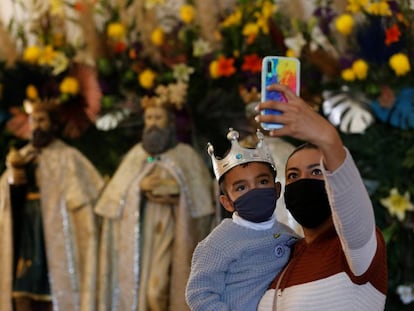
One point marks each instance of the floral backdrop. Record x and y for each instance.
(104, 59)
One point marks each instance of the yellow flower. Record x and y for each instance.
(213, 68)
(31, 54)
(147, 78)
(397, 204)
(262, 23)
(157, 36)
(69, 85)
(379, 8)
(187, 13)
(360, 69)
(291, 53)
(115, 31)
(31, 92)
(268, 9)
(356, 6)
(57, 7)
(344, 24)
(348, 74)
(250, 29)
(233, 19)
(47, 56)
(400, 64)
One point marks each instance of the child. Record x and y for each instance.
(233, 266)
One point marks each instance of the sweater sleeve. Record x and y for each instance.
(352, 214)
(206, 281)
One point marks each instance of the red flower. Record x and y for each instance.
(225, 66)
(119, 47)
(252, 63)
(392, 35)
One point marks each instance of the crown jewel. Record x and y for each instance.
(239, 155)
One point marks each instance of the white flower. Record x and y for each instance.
(319, 40)
(406, 293)
(398, 204)
(59, 63)
(201, 47)
(296, 43)
(182, 72)
(112, 119)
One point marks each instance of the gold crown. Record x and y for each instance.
(170, 96)
(40, 105)
(239, 155)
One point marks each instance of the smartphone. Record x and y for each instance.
(280, 70)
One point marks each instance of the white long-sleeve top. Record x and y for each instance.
(343, 269)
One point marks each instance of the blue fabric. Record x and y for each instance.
(401, 115)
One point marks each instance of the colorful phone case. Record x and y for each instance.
(280, 70)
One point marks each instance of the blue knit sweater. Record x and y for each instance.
(232, 267)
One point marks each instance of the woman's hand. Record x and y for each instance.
(301, 122)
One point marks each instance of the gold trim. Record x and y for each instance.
(32, 296)
(31, 196)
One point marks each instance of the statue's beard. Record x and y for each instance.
(157, 140)
(41, 138)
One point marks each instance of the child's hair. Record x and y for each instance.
(221, 181)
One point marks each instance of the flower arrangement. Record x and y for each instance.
(221, 68)
(356, 66)
(366, 61)
(47, 67)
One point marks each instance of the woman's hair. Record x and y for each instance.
(302, 147)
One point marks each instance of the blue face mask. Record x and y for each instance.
(257, 205)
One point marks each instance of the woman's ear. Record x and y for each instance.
(227, 203)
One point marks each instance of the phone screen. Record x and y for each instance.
(279, 70)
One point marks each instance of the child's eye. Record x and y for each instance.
(264, 181)
(240, 188)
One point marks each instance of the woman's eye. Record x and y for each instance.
(317, 172)
(291, 176)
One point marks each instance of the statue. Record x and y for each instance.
(156, 207)
(48, 232)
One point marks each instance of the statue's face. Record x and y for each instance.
(41, 129)
(157, 116)
(40, 120)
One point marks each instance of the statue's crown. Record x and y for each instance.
(239, 155)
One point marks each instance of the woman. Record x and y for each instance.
(340, 264)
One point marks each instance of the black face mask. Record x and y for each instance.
(307, 201)
(257, 205)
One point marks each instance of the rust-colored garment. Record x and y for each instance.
(69, 186)
(122, 254)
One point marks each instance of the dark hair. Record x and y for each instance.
(302, 147)
(221, 181)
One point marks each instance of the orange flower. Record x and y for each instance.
(132, 53)
(79, 6)
(225, 66)
(252, 63)
(392, 35)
